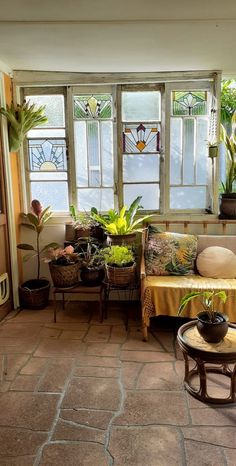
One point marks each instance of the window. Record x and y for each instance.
(189, 163)
(93, 143)
(141, 116)
(124, 141)
(47, 154)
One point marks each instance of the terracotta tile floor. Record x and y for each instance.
(81, 393)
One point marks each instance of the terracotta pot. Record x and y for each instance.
(212, 332)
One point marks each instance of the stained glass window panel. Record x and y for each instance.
(150, 195)
(188, 151)
(175, 151)
(143, 167)
(189, 103)
(141, 106)
(47, 154)
(188, 198)
(51, 193)
(202, 160)
(54, 109)
(141, 138)
(90, 106)
(102, 199)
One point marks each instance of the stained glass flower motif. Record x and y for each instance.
(47, 155)
(141, 138)
(189, 103)
(92, 106)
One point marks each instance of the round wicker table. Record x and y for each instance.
(208, 357)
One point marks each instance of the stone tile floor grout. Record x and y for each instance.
(79, 392)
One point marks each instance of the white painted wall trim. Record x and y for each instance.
(9, 199)
(47, 78)
(5, 68)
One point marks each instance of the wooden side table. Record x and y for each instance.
(204, 354)
(81, 289)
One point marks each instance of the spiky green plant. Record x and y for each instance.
(230, 145)
(21, 119)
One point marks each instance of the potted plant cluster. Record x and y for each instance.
(34, 293)
(121, 227)
(211, 324)
(82, 225)
(64, 266)
(228, 196)
(120, 265)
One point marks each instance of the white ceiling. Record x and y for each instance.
(108, 35)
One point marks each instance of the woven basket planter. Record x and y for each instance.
(64, 276)
(34, 294)
(120, 276)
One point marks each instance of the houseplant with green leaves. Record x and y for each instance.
(228, 195)
(119, 264)
(34, 293)
(21, 119)
(92, 261)
(64, 266)
(122, 226)
(211, 324)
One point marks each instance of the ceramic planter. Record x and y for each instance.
(212, 332)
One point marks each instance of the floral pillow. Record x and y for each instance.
(170, 253)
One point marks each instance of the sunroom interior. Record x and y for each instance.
(132, 96)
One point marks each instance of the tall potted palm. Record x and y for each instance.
(34, 293)
(228, 195)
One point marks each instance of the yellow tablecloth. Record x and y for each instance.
(162, 295)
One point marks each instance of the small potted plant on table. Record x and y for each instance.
(64, 266)
(211, 324)
(121, 227)
(92, 264)
(120, 265)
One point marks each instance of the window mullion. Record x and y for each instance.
(71, 149)
(119, 164)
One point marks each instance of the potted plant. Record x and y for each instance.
(34, 293)
(21, 119)
(211, 324)
(92, 263)
(228, 196)
(121, 227)
(64, 266)
(120, 265)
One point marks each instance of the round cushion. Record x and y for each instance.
(216, 262)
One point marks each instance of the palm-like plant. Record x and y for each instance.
(230, 145)
(21, 119)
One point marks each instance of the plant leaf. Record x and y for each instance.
(25, 247)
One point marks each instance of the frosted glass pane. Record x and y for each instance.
(107, 153)
(81, 153)
(102, 199)
(143, 167)
(175, 150)
(141, 106)
(188, 198)
(46, 133)
(149, 192)
(188, 152)
(48, 176)
(93, 154)
(202, 160)
(54, 108)
(54, 194)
